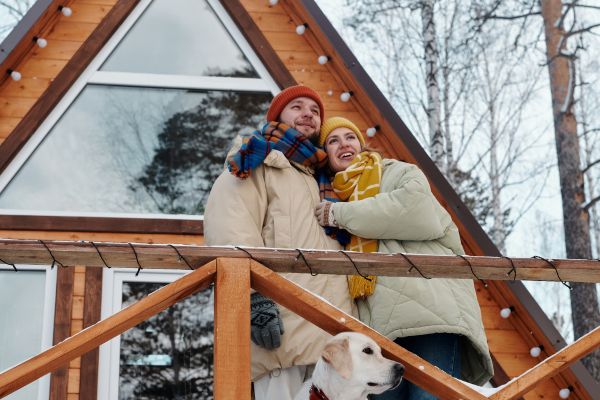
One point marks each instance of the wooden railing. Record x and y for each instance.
(234, 276)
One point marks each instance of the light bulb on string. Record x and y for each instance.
(66, 11)
(564, 393)
(506, 312)
(323, 59)
(300, 29)
(15, 75)
(345, 96)
(41, 42)
(535, 351)
(371, 131)
(273, 2)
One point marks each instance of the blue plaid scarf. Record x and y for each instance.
(274, 136)
(326, 192)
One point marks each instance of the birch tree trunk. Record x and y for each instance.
(584, 300)
(436, 143)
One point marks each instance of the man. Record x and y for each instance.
(267, 199)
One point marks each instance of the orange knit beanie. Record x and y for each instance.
(286, 95)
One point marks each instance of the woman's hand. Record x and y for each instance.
(324, 214)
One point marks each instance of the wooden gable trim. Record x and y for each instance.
(101, 224)
(259, 43)
(63, 81)
(20, 41)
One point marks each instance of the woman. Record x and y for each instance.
(391, 201)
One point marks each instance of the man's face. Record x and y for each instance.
(302, 114)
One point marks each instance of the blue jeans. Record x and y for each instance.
(439, 349)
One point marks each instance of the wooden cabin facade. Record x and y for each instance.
(89, 153)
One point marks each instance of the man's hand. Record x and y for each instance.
(266, 325)
(324, 214)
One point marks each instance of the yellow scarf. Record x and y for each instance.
(359, 181)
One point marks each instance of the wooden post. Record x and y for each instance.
(332, 320)
(92, 337)
(549, 367)
(232, 330)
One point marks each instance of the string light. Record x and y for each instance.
(300, 29)
(273, 2)
(66, 11)
(330, 92)
(15, 75)
(41, 42)
(372, 130)
(536, 351)
(323, 59)
(345, 96)
(505, 312)
(564, 393)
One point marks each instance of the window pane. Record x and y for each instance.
(21, 294)
(134, 150)
(166, 40)
(169, 356)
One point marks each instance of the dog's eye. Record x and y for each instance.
(368, 350)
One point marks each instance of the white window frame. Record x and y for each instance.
(112, 292)
(92, 75)
(48, 318)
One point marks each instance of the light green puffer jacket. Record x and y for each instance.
(407, 218)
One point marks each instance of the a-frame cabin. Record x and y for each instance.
(115, 131)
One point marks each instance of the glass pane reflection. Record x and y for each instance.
(135, 150)
(182, 37)
(22, 294)
(169, 356)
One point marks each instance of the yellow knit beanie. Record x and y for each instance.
(339, 122)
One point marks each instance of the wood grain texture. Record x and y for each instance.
(550, 367)
(59, 379)
(88, 386)
(232, 329)
(288, 260)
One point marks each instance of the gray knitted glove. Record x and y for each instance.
(266, 326)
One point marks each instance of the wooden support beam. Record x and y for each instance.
(232, 330)
(92, 337)
(332, 320)
(549, 367)
(288, 260)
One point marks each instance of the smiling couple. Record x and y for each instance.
(304, 181)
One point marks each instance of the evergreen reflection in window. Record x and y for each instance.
(169, 356)
(135, 150)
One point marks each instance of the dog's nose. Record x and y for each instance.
(398, 369)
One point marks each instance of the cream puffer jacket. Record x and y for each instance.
(274, 207)
(407, 218)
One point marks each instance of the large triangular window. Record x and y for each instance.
(146, 128)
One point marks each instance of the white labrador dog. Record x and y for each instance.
(350, 368)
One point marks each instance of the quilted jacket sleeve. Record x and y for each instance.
(407, 211)
(236, 210)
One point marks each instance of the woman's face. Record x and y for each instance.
(342, 145)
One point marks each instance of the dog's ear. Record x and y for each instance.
(337, 354)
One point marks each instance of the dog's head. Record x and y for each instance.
(358, 360)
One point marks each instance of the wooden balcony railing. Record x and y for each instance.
(234, 273)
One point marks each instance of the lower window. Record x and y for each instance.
(26, 321)
(169, 356)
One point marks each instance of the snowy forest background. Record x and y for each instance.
(493, 90)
